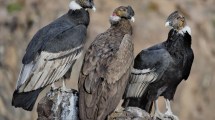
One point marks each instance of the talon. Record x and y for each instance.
(53, 87)
(157, 114)
(168, 113)
(64, 89)
(172, 117)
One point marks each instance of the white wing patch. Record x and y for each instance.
(47, 68)
(137, 71)
(139, 81)
(24, 74)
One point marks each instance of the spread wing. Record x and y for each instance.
(52, 60)
(149, 66)
(104, 76)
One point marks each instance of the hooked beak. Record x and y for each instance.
(167, 24)
(94, 8)
(132, 19)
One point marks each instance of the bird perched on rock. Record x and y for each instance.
(106, 67)
(159, 69)
(51, 53)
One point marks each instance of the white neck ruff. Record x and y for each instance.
(184, 30)
(115, 18)
(74, 6)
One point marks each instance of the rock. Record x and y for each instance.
(58, 105)
(130, 113)
(135, 113)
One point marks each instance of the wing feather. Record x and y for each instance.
(139, 82)
(149, 67)
(47, 69)
(46, 60)
(45, 34)
(24, 74)
(122, 60)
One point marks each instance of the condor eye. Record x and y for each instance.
(178, 17)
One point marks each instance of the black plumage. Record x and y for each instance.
(106, 68)
(159, 69)
(51, 54)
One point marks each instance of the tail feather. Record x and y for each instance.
(25, 100)
(146, 103)
(142, 102)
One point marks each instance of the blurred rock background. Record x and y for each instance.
(194, 100)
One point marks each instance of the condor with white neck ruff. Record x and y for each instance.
(51, 54)
(106, 68)
(158, 70)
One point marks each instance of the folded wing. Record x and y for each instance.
(50, 65)
(149, 66)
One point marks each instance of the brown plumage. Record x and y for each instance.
(106, 68)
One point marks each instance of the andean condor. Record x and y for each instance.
(51, 53)
(159, 69)
(106, 67)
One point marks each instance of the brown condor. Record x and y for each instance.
(106, 67)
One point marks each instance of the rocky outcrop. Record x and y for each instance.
(130, 113)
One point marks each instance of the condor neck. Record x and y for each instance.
(177, 41)
(80, 16)
(123, 25)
